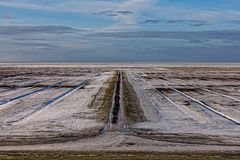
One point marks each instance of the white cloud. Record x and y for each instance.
(89, 7)
(136, 7)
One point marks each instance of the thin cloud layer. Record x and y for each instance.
(125, 12)
(202, 35)
(7, 16)
(119, 30)
(13, 30)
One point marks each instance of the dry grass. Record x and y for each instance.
(132, 109)
(102, 101)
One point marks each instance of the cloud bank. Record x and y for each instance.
(119, 30)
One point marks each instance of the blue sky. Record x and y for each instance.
(98, 30)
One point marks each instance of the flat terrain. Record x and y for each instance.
(93, 155)
(172, 109)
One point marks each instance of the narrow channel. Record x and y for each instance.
(116, 105)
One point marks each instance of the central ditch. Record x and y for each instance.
(116, 105)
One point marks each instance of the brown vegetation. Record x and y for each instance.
(102, 101)
(132, 109)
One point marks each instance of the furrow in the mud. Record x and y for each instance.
(37, 108)
(2, 102)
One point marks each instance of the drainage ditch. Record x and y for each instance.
(116, 105)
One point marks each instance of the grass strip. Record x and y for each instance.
(102, 101)
(132, 109)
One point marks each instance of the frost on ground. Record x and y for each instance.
(70, 114)
(32, 116)
(169, 100)
(180, 116)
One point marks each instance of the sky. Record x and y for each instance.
(120, 30)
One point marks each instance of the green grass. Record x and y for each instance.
(100, 155)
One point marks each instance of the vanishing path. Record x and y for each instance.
(114, 138)
(115, 120)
